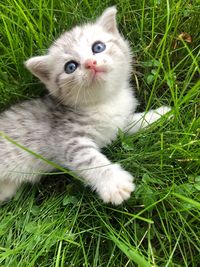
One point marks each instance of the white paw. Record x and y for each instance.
(116, 186)
(162, 110)
(154, 115)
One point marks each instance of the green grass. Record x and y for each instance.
(59, 222)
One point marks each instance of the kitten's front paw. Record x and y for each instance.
(154, 115)
(117, 186)
(162, 110)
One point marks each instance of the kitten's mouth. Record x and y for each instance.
(97, 73)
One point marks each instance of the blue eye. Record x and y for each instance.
(98, 47)
(70, 66)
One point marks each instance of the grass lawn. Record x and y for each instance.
(59, 222)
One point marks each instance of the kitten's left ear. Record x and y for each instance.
(39, 66)
(108, 20)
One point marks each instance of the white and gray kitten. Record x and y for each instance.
(87, 72)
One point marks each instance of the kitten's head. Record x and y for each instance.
(87, 64)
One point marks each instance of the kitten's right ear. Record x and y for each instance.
(39, 67)
(108, 20)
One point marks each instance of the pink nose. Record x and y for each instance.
(90, 64)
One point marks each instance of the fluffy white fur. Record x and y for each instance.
(105, 98)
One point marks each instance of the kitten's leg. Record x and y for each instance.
(110, 181)
(7, 190)
(141, 120)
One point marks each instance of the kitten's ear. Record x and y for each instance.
(108, 20)
(39, 67)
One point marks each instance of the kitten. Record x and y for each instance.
(87, 73)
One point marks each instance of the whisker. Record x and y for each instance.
(76, 100)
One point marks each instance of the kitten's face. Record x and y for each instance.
(87, 64)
